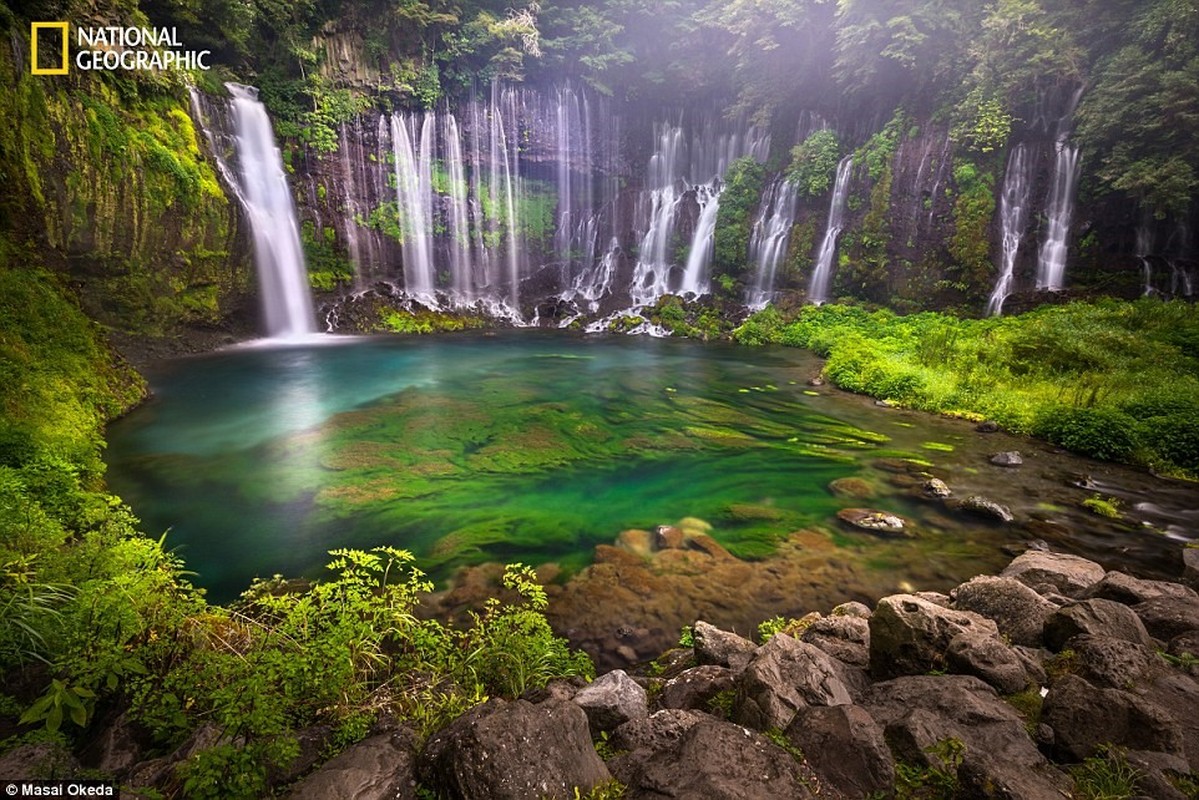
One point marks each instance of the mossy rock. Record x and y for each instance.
(854, 488)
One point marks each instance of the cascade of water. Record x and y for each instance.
(699, 257)
(942, 167)
(1182, 280)
(653, 264)
(594, 282)
(769, 239)
(1013, 217)
(1144, 246)
(1059, 212)
(511, 175)
(818, 291)
(461, 265)
(1059, 206)
(414, 184)
(263, 192)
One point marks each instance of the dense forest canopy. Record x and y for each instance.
(985, 67)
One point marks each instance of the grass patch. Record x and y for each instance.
(1110, 379)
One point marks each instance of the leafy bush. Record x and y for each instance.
(814, 163)
(1103, 433)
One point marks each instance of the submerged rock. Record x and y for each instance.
(977, 504)
(935, 487)
(855, 488)
(987, 426)
(874, 521)
(1010, 458)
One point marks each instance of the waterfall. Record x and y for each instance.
(263, 192)
(1182, 280)
(1144, 246)
(1013, 217)
(461, 265)
(1059, 205)
(768, 241)
(675, 169)
(594, 282)
(1059, 212)
(653, 265)
(699, 257)
(818, 291)
(414, 196)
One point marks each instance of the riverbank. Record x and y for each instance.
(1109, 379)
(1053, 678)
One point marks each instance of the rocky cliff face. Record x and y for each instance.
(107, 183)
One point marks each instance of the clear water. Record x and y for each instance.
(537, 447)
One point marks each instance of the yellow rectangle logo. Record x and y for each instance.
(35, 27)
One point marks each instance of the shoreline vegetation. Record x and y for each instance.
(104, 635)
(1114, 380)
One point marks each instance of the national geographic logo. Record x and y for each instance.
(109, 48)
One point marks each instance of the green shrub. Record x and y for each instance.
(814, 163)
(1100, 432)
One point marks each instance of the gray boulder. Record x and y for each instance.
(1009, 458)
(611, 700)
(378, 768)
(851, 609)
(714, 760)
(513, 751)
(659, 731)
(846, 639)
(41, 761)
(1070, 575)
(724, 649)
(1190, 565)
(1084, 716)
(1167, 617)
(696, 688)
(785, 676)
(1096, 618)
(912, 636)
(845, 747)
(921, 713)
(1126, 589)
(1017, 610)
(1112, 663)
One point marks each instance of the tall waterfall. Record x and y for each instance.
(411, 145)
(818, 290)
(1144, 246)
(699, 256)
(1059, 213)
(1059, 205)
(263, 192)
(660, 204)
(769, 239)
(1013, 218)
(683, 168)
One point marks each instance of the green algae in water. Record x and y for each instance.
(468, 449)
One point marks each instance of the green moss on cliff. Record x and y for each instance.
(105, 179)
